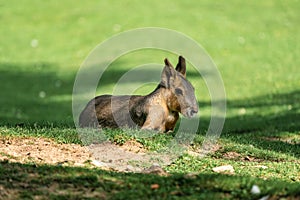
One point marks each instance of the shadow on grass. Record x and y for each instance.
(40, 95)
(267, 113)
(277, 112)
(18, 181)
(34, 96)
(272, 125)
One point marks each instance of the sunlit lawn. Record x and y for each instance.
(254, 45)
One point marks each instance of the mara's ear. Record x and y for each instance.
(167, 76)
(167, 62)
(181, 66)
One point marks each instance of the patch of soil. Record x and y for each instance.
(232, 155)
(133, 146)
(201, 151)
(42, 151)
(130, 157)
(289, 140)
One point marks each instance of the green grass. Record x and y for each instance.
(254, 44)
(78, 183)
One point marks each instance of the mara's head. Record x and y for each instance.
(182, 98)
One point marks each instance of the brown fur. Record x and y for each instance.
(155, 111)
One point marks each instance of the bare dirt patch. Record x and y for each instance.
(232, 155)
(289, 140)
(130, 157)
(133, 146)
(201, 151)
(42, 151)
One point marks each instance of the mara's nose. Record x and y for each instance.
(193, 112)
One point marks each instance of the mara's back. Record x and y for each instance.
(109, 111)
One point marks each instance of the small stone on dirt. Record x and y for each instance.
(98, 163)
(248, 158)
(223, 169)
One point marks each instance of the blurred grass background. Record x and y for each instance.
(254, 44)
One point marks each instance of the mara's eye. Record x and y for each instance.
(178, 91)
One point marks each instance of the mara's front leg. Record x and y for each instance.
(156, 119)
(171, 121)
